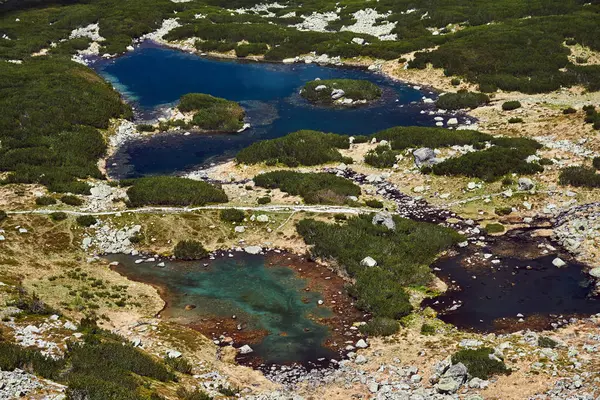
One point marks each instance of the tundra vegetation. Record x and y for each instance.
(212, 113)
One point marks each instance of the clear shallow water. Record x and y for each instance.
(492, 295)
(152, 76)
(271, 299)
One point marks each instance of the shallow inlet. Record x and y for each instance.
(523, 290)
(275, 306)
(152, 77)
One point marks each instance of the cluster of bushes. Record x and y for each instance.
(403, 257)
(190, 250)
(212, 113)
(479, 363)
(102, 366)
(462, 99)
(232, 215)
(525, 55)
(51, 110)
(314, 188)
(511, 105)
(354, 89)
(592, 116)
(403, 137)
(172, 191)
(579, 177)
(380, 327)
(507, 156)
(381, 156)
(86, 220)
(298, 148)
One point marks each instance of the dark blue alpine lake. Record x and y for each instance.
(152, 77)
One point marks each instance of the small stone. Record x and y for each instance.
(361, 344)
(173, 354)
(360, 359)
(558, 263)
(245, 349)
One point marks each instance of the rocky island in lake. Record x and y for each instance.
(345, 92)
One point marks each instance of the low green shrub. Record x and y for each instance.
(314, 188)
(180, 364)
(298, 148)
(232, 215)
(228, 391)
(569, 110)
(58, 216)
(479, 364)
(545, 161)
(494, 228)
(263, 200)
(515, 120)
(86, 220)
(427, 329)
(461, 100)
(380, 327)
(511, 105)
(71, 200)
(503, 210)
(45, 201)
(353, 89)
(596, 163)
(381, 156)
(145, 128)
(455, 82)
(190, 250)
(546, 342)
(187, 394)
(373, 203)
(3, 215)
(579, 177)
(173, 191)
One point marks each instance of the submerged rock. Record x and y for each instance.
(245, 349)
(253, 249)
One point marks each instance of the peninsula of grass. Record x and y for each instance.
(298, 148)
(403, 257)
(314, 188)
(212, 113)
(172, 191)
(324, 91)
(404, 137)
(461, 100)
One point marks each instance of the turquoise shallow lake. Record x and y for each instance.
(152, 76)
(270, 304)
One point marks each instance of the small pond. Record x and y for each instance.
(516, 288)
(275, 301)
(152, 77)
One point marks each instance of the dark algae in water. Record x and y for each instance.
(252, 299)
(511, 285)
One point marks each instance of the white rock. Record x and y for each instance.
(361, 344)
(368, 262)
(558, 262)
(245, 349)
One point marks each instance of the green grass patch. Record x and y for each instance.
(462, 99)
(190, 250)
(380, 327)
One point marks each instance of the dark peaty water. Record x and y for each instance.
(491, 296)
(152, 76)
(270, 301)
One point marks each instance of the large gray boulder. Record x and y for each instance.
(526, 184)
(385, 219)
(452, 379)
(424, 156)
